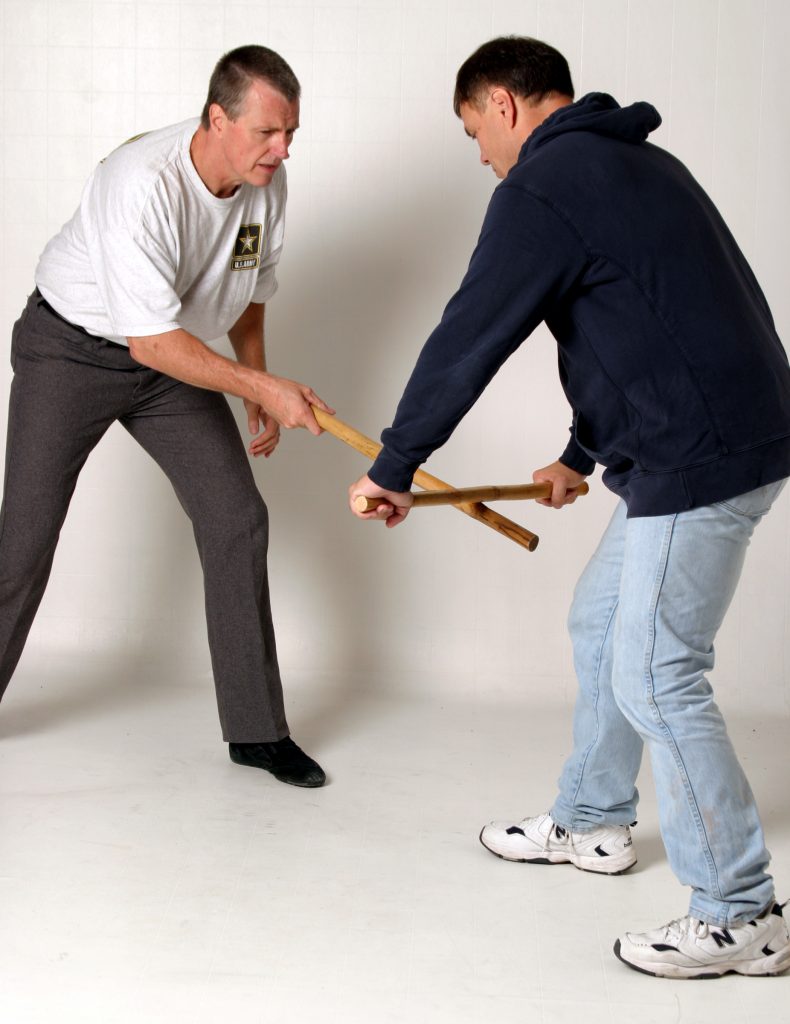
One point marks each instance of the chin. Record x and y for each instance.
(260, 176)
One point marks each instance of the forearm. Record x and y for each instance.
(247, 337)
(181, 355)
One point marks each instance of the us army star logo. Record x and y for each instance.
(247, 249)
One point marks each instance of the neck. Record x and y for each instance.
(208, 165)
(534, 114)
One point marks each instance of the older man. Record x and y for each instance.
(680, 388)
(175, 243)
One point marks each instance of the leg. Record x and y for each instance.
(193, 437)
(62, 401)
(588, 824)
(679, 576)
(597, 785)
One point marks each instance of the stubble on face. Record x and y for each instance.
(258, 141)
(250, 148)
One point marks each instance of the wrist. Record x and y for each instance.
(250, 383)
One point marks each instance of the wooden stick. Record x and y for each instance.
(482, 513)
(509, 492)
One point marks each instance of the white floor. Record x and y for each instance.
(145, 878)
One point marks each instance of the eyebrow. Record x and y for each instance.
(272, 128)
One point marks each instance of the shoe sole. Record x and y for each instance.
(771, 967)
(300, 785)
(588, 864)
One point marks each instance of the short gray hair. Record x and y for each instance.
(236, 71)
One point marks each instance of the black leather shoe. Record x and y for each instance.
(283, 759)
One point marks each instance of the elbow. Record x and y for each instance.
(139, 350)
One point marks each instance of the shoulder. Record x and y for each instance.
(144, 166)
(150, 151)
(526, 209)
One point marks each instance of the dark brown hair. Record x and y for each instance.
(526, 67)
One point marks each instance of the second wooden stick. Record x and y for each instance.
(460, 495)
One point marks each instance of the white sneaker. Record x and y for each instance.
(688, 948)
(607, 850)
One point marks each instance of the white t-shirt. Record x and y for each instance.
(150, 248)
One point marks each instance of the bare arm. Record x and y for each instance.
(181, 355)
(246, 337)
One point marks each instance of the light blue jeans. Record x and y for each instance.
(644, 617)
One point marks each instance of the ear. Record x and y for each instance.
(217, 117)
(505, 105)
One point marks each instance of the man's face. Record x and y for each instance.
(257, 142)
(499, 148)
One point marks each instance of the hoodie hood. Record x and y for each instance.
(601, 114)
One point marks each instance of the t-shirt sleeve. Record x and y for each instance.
(133, 260)
(266, 285)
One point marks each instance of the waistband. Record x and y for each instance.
(43, 304)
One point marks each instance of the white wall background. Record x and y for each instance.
(386, 199)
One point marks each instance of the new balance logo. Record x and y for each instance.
(723, 938)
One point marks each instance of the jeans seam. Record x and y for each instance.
(590, 745)
(757, 515)
(673, 747)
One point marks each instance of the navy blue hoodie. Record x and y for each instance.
(668, 355)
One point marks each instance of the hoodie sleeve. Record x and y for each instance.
(575, 457)
(526, 259)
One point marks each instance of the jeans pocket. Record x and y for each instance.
(755, 503)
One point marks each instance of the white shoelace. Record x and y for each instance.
(682, 925)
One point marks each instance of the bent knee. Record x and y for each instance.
(234, 520)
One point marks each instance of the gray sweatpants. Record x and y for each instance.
(68, 388)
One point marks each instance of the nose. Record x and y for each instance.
(281, 147)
